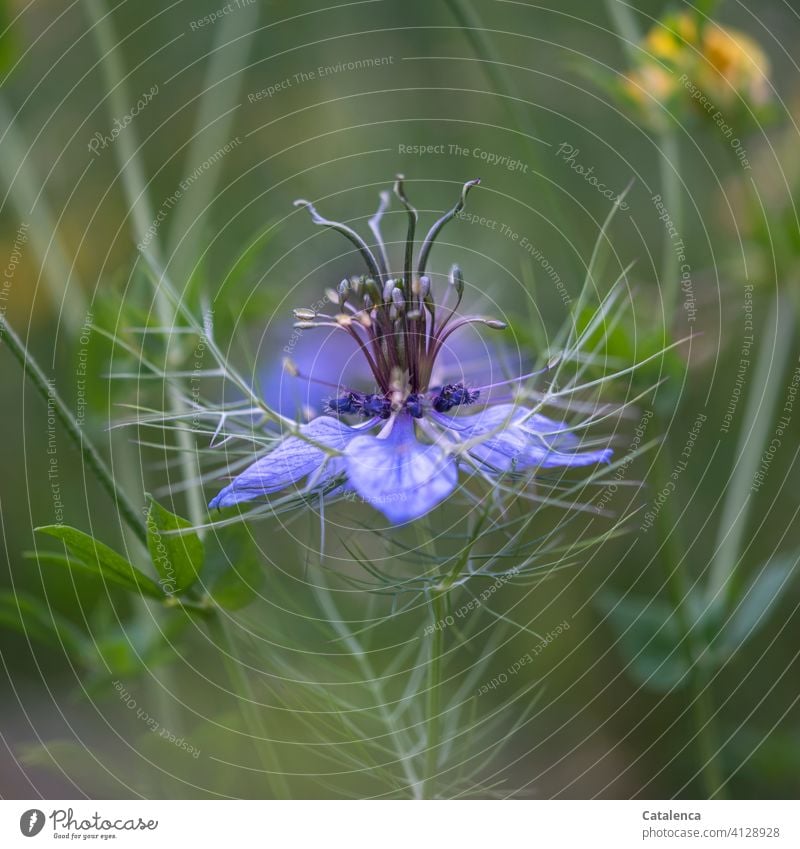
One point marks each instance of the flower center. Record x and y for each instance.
(394, 319)
(373, 405)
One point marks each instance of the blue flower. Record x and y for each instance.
(399, 475)
(404, 455)
(294, 459)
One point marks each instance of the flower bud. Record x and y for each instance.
(457, 280)
(372, 289)
(304, 314)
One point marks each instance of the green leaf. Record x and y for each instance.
(757, 601)
(33, 618)
(649, 638)
(101, 560)
(239, 574)
(178, 557)
(71, 563)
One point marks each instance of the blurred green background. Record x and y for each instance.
(503, 79)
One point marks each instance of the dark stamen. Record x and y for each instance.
(376, 405)
(351, 403)
(454, 395)
(413, 405)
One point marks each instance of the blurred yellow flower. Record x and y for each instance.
(736, 64)
(650, 81)
(662, 43)
(724, 64)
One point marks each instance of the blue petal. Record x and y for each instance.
(398, 475)
(518, 445)
(291, 461)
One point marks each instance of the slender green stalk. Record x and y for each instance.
(92, 458)
(475, 32)
(249, 707)
(135, 187)
(136, 192)
(216, 112)
(126, 147)
(704, 712)
(669, 163)
(765, 392)
(18, 172)
(678, 585)
(672, 559)
(679, 589)
(433, 734)
(396, 735)
(626, 26)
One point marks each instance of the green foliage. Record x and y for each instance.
(649, 637)
(757, 602)
(176, 550)
(37, 621)
(341, 687)
(231, 570)
(91, 555)
(657, 643)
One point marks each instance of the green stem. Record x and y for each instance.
(704, 712)
(26, 196)
(669, 162)
(247, 703)
(627, 27)
(216, 112)
(436, 605)
(758, 420)
(519, 112)
(679, 589)
(33, 371)
(373, 682)
(135, 187)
